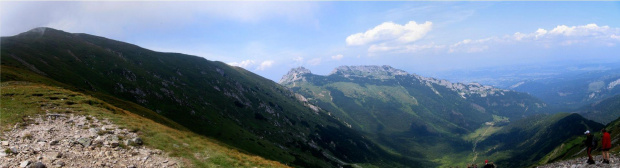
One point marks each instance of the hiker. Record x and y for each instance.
(606, 145)
(487, 165)
(590, 143)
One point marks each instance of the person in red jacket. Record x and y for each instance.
(606, 145)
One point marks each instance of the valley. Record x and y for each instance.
(356, 116)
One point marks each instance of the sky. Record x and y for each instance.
(270, 38)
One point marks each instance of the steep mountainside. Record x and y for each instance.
(409, 113)
(570, 91)
(573, 148)
(227, 103)
(524, 142)
(70, 117)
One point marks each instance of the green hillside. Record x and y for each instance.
(524, 142)
(227, 103)
(573, 148)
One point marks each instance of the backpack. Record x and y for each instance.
(594, 142)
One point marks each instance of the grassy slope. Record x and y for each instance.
(21, 99)
(17, 74)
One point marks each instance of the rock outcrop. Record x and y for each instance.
(368, 71)
(581, 163)
(58, 140)
(294, 74)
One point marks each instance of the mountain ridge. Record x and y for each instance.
(388, 72)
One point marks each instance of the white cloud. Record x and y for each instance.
(539, 33)
(243, 64)
(583, 31)
(410, 48)
(392, 33)
(314, 61)
(299, 59)
(252, 63)
(265, 64)
(337, 57)
(518, 36)
(472, 46)
(561, 35)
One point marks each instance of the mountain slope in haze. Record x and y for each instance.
(523, 143)
(210, 98)
(604, 111)
(410, 114)
(573, 90)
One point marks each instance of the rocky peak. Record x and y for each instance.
(294, 74)
(368, 71)
(463, 89)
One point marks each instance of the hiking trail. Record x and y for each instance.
(473, 150)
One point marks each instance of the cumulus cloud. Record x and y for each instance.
(559, 36)
(337, 57)
(243, 64)
(391, 32)
(252, 63)
(265, 64)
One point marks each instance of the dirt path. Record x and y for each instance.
(473, 150)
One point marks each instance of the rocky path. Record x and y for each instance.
(473, 150)
(57, 140)
(581, 163)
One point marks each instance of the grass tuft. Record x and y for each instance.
(28, 136)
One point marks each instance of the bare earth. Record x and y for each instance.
(57, 140)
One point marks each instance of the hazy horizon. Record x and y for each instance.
(269, 38)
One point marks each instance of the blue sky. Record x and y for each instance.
(270, 38)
